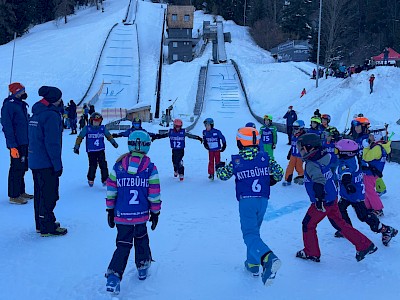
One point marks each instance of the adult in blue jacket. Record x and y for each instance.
(72, 116)
(45, 134)
(14, 119)
(290, 117)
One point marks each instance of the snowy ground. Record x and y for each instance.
(197, 246)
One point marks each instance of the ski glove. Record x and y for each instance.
(199, 139)
(57, 173)
(14, 153)
(288, 156)
(273, 146)
(114, 143)
(223, 147)
(76, 150)
(110, 217)
(350, 188)
(319, 205)
(155, 137)
(154, 219)
(115, 135)
(206, 145)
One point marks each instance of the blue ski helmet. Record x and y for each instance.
(209, 121)
(139, 141)
(298, 124)
(250, 124)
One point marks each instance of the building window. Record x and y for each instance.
(174, 17)
(174, 56)
(186, 43)
(186, 18)
(175, 44)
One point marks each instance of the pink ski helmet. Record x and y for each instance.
(347, 148)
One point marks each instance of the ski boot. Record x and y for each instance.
(271, 264)
(388, 233)
(143, 270)
(382, 193)
(113, 284)
(299, 180)
(58, 232)
(301, 254)
(104, 183)
(211, 177)
(286, 183)
(90, 183)
(181, 177)
(360, 255)
(254, 269)
(176, 174)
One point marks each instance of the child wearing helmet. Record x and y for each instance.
(315, 126)
(255, 173)
(133, 198)
(323, 195)
(136, 125)
(294, 157)
(95, 147)
(177, 142)
(269, 138)
(375, 152)
(352, 191)
(215, 143)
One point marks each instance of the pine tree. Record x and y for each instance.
(296, 18)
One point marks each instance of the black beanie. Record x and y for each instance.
(50, 93)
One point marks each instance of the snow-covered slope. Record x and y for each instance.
(197, 246)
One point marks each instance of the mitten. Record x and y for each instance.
(115, 135)
(154, 219)
(273, 146)
(110, 217)
(223, 147)
(319, 205)
(76, 150)
(14, 153)
(350, 188)
(57, 173)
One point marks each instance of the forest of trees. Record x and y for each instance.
(352, 30)
(17, 16)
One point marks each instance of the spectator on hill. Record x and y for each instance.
(290, 117)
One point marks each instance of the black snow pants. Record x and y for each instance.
(128, 236)
(177, 156)
(97, 158)
(18, 167)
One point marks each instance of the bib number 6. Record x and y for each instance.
(256, 187)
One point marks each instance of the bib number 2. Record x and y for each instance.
(134, 199)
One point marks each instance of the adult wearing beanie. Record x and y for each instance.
(14, 119)
(45, 134)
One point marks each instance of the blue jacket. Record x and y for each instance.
(290, 117)
(45, 135)
(14, 118)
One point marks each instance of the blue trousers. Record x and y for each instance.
(252, 211)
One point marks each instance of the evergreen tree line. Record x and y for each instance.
(17, 16)
(351, 30)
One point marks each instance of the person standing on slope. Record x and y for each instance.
(290, 117)
(129, 206)
(213, 138)
(269, 138)
(14, 120)
(177, 137)
(95, 147)
(255, 173)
